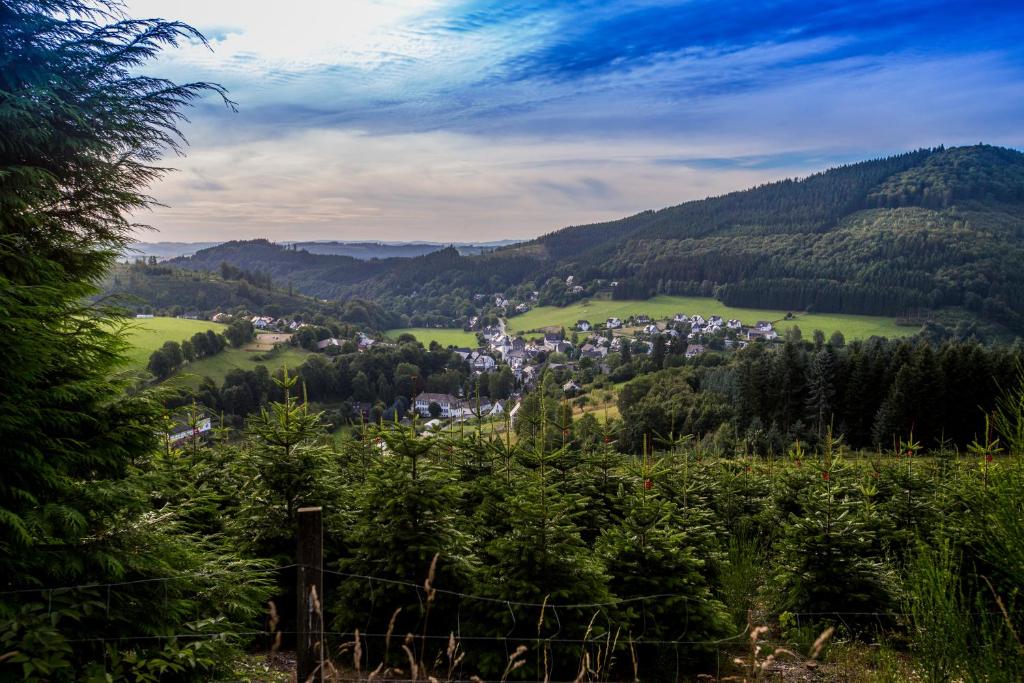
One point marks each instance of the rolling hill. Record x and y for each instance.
(935, 229)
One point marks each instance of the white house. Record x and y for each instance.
(324, 344)
(522, 308)
(583, 325)
(614, 323)
(734, 324)
(571, 387)
(694, 350)
(681, 318)
(651, 329)
(484, 363)
(698, 319)
(450, 406)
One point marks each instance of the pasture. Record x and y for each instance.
(660, 307)
(146, 335)
(444, 337)
(217, 367)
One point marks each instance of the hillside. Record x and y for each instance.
(926, 230)
(164, 289)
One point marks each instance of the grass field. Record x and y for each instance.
(217, 367)
(659, 307)
(445, 338)
(146, 335)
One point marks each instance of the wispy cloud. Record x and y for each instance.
(689, 95)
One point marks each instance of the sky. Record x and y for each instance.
(484, 120)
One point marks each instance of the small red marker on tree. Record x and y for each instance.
(824, 475)
(988, 458)
(648, 484)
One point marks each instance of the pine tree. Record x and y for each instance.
(81, 130)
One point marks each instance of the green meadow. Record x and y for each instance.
(444, 337)
(659, 307)
(217, 367)
(146, 335)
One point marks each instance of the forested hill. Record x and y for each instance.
(931, 229)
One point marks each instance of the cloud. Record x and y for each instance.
(427, 119)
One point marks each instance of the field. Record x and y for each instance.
(146, 335)
(444, 337)
(217, 367)
(659, 307)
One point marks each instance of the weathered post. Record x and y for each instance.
(309, 650)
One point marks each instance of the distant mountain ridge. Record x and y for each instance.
(356, 249)
(925, 230)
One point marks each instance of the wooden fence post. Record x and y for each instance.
(309, 649)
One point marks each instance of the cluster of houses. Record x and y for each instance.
(692, 326)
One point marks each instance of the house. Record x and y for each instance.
(763, 326)
(716, 320)
(734, 324)
(577, 289)
(497, 409)
(694, 350)
(514, 413)
(614, 323)
(219, 317)
(754, 334)
(518, 344)
(698, 320)
(522, 308)
(563, 347)
(365, 342)
(261, 322)
(551, 340)
(463, 352)
(450, 406)
(182, 432)
(613, 283)
(681, 318)
(651, 329)
(474, 320)
(325, 344)
(591, 351)
(571, 387)
(583, 325)
(143, 315)
(569, 280)
(484, 363)
(642, 319)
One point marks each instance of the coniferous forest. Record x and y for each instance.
(812, 509)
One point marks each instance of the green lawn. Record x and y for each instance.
(445, 338)
(659, 307)
(146, 335)
(217, 367)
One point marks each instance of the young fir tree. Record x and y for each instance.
(404, 514)
(541, 558)
(81, 129)
(654, 557)
(829, 570)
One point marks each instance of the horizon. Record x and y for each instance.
(475, 122)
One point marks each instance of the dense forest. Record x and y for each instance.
(932, 230)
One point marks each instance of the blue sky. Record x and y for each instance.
(488, 120)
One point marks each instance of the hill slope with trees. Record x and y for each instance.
(922, 231)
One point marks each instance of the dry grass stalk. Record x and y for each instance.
(756, 666)
(515, 660)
